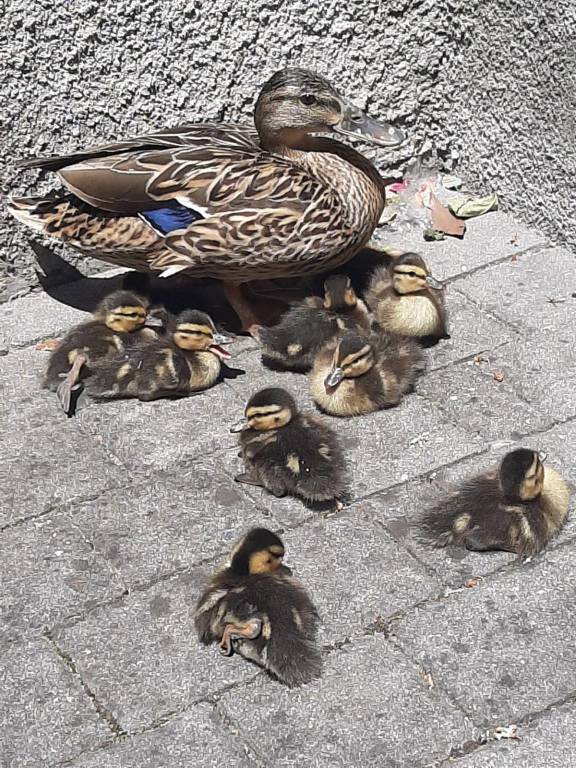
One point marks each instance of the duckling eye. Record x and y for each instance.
(412, 274)
(308, 99)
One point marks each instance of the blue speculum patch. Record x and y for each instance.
(171, 217)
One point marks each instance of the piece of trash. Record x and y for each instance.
(514, 258)
(443, 219)
(498, 376)
(479, 359)
(434, 234)
(451, 182)
(466, 209)
(388, 215)
(426, 678)
(514, 239)
(471, 583)
(398, 186)
(553, 300)
(48, 345)
(505, 732)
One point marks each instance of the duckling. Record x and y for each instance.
(407, 300)
(360, 374)
(254, 607)
(118, 321)
(288, 452)
(302, 331)
(185, 362)
(517, 507)
(141, 284)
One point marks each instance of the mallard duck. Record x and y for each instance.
(226, 201)
(118, 321)
(360, 374)
(288, 452)
(517, 507)
(253, 607)
(302, 331)
(186, 361)
(407, 300)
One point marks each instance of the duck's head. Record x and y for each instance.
(353, 357)
(259, 551)
(195, 332)
(123, 311)
(411, 275)
(270, 408)
(522, 474)
(296, 102)
(339, 295)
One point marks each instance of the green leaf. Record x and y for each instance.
(466, 209)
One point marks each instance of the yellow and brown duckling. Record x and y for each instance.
(360, 374)
(186, 361)
(302, 331)
(119, 320)
(407, 300)
(255, 608)
(517, 507)
(288, 452)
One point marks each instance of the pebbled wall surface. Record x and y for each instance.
(487, 86)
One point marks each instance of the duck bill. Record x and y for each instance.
(438, 285)
(152, 321)
(219, 352)
(358, 125)
(334, 378)
(239, 426)
(220, 338)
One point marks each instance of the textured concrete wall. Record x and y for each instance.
(490, 85)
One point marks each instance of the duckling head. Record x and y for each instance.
(270, 408)
(339, 294)
(259, 551)
(353, 357)
(195, 332)
(123, 311)
(411, 275)
(296, 102)
(522, 474)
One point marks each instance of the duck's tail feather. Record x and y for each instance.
(294, 659)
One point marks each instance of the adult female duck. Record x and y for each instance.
(224, 201)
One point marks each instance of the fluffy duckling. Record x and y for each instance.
(255, 608)
(302, 331)
(288, 452)
(140, 284)
(407, 300)
(517, 507)
(362, 374)
(118, 321)
(187, 361)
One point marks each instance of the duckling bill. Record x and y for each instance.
(188, 360)
(517, 507)
(118, 321)
(303, 330)
(288, 452)
(406, 299)
(253, 607)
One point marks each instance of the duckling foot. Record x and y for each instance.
(247, 631)
(71, 386)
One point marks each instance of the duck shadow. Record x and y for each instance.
(67, 284)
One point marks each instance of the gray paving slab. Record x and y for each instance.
(543, 372)
(547, 742)
(43, 467)
(488, 238)
(165, 433)
(471, 395)
(168, 523)
(36, 317)
(45, 717)
(49, 570)
(505, 647)
(471, 332)
(371, 707)
(355, 572)
(533, 293)
(141, 657)
(196, 738)
(22, 401)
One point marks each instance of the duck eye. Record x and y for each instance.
(308, 99)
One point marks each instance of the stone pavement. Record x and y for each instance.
(110, 522)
